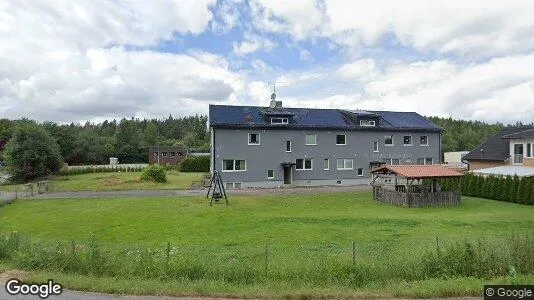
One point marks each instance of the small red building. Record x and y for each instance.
(166, 155)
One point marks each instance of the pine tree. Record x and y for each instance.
(506, 189)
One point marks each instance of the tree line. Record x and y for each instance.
(127, 139)
(506, 188)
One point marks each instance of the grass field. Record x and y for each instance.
(116, 182)
(270, 246)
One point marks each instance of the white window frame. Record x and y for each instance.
(253, 144)
(344, 139)
(279, 121)
(326, 164)
(377, 147)
(345, 160)
(304, 164)
(392, 140)
(424, 145)
(290, 146)
(367, 123)
(306, 139)
(233, 170)
(431, 160)
(271, 177)
(360, 172)
(411, 140)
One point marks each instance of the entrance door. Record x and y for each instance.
(287, 175)
(518, 153)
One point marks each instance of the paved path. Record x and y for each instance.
(202, 192)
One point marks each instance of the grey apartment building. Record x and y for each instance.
(276, 146)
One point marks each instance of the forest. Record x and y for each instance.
(129, 139)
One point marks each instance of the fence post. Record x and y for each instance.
(266, 257)
(353, 253)
(73, 246)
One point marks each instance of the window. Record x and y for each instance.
(375, 146)
(270, 174)
(392, 161)
(529, 150)
(429, 161)
(388, 140)
(360, 172)
(420, 161)
(163, 153)
(179, 153)
(326, 164)
(367, 123)
(407, 140)
(253, 138)
(234, 165)
(173, 153)
(311, 139)
(341, 139)
(423, 140)
(156, 154)
(279, 121)
(304, 164)
(344, 164)
(288, 146)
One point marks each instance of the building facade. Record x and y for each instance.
(165, 155)
(275, 146)
(511, 146)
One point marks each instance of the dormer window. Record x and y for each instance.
(279, 121)
(367, 123)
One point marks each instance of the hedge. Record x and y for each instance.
(99, 169)
(508, 189)
(195, 164)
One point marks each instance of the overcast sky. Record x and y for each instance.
(65, 60)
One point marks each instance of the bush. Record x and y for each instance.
(154, 173)
(195, 164)
(32, 153)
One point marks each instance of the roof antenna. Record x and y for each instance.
(272, 104)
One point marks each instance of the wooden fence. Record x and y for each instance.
(424, 199)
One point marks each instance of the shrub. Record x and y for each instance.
(195, 164)
(154, 173)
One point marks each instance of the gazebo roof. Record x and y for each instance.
(417, 171)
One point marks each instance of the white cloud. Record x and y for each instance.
(305, 55)
(472, 28)
(253, 43)
(359, 70)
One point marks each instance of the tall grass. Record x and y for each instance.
(331, 264)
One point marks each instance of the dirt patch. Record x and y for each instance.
(8, 274)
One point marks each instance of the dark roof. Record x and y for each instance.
(523, 134)
(254, 116)
(417, 171)
(496, 148)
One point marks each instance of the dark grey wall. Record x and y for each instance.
(233, 144)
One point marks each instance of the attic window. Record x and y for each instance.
(279, 121)
(367, 123)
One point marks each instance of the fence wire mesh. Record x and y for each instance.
(352, 263)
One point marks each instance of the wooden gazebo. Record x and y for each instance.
(415, 185)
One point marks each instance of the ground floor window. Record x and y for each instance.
(234, 165)
(425, 161)
(360, 172)
(326, 164)
(304, 164)
(270, 174)
(344, 164)
(392, 161)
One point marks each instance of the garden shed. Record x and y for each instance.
(415, 185)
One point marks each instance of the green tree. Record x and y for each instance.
(31, 152)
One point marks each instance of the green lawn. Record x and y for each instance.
(117, 181)
(269, 246)
(298, 219)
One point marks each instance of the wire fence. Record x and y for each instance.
(352, 263)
